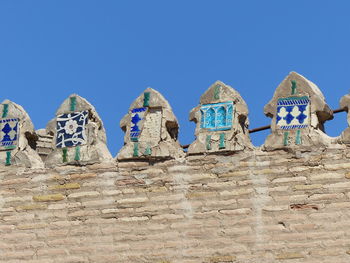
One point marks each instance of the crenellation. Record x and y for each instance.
(151, 129)
(235, 203)
(298, 110)
(78, 135)
(17, 137)
(221, 120)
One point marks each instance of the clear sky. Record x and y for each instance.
(110, 51)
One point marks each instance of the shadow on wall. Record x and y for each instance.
(76, 135)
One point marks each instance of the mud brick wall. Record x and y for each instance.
(248, 207)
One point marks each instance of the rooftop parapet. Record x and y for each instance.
(78, 134)
(17, 137)
(221, 121)
(151, 129)
(298, 110)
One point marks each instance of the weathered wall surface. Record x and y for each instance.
(63, 198)
(252, 206)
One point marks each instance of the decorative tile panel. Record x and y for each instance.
(71, 129)
(8, 133)
(217, 116)
(293, 113)
(137, 119)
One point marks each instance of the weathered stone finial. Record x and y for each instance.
(151, 129)
(298, 111)
(17, 137)
(78, 134)
(221, 121)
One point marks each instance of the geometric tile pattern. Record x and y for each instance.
(217, 116)
(293, 113)
(137, 119)
(8, 133)
(71, 129)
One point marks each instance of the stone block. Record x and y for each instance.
(133, 219)
(222, 259)
(31, 207)
(31, 226)
(292, 255)
(237, 192)
(67, 186)
(132, 200)
(48, 198)
(167, 217)
(240, 211)
(82, 176)
(289, 179)
(276, 208)
(15, 181)
(302, 187)
(83, 195)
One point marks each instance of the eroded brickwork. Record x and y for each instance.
(249, 207)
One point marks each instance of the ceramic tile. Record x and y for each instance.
(217, 116)
(137, 119)
(71, 129)
(8, 133)
(293, 113)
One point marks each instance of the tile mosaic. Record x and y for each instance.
(217, 92)
(65, 155)
(8, 158)
(71, 129)
(137, 119)
(136, 149)
(8, 133)
(217, 116)
(293, 113)
(146, 98)
(148, 150)
(77, 153)
(294, 87)
(73, 103)
(286, 138)
(208, 142)
(222, 141)
(5, 110)
(298, 137)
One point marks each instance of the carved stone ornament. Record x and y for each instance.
(151, 129)
(17, 137)
(298, 110)
(221, 121)
(78, 134)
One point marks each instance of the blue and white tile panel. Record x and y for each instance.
(8, 133)
(293, 113)
(71, 129)
(137, 120)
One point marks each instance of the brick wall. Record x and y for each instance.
(248, 207)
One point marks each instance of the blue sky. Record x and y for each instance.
(110, 51)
